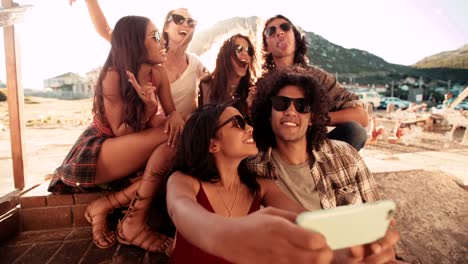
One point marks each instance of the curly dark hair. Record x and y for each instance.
(193, 156)
(269, 86)
(217, 81)
(300, 56)
(128, 52)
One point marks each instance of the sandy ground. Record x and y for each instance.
(425, 174)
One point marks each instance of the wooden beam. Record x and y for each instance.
(12, 14)
(15, 96)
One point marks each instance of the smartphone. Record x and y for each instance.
(350, 225)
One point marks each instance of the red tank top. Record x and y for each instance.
(186, 252)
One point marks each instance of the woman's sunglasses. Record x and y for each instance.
(282, 103)
(239, 49)
(156, 36)
(179, 20)
(239, 122)
(270, 31)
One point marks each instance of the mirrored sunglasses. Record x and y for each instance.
(239, 49)
(179, 20)
(239, 122)
(282, 103)
(285, 27)
(156, 36)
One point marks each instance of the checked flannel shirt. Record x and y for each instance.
(340, 174)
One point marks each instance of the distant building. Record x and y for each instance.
(69, 83)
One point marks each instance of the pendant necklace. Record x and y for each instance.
(224, 202)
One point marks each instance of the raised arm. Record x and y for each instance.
(99, 20)
(272, 237)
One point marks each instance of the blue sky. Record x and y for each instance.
(57, 38)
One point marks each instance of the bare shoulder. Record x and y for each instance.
(181, 179)
(266, 185)
(158, 74)
(111, 83)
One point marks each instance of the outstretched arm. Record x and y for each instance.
(98, 19)
(272, 236)
(272, 195)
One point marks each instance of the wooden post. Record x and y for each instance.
(15, 95)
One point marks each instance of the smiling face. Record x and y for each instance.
(154, 43)
(241, 51)
(282, 42)
(177, 33)
(290, 126)
(231, 139)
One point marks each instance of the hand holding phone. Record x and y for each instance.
(351, 225)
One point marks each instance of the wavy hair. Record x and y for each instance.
(193, 156)
(300, 54)
(128, 52)
(270, 86)
(218, 80)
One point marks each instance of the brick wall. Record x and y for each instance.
(40, 209)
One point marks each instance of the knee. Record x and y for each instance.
(353, 133)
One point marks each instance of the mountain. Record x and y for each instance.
(448, 59)
(360, 65)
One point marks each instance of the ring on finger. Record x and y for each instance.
(143, 93)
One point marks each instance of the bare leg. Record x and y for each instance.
(133, 228)
(121, 156)
(96, 214)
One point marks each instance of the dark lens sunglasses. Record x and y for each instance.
(240, 122)
(270, 31)
(156, 36)
(239, 49)
(282, 103)
(179, 20)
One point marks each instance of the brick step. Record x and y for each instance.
(40, 209)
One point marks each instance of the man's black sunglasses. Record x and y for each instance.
(282, 103)
(239, 122)
(270, 31)
(179, 20)
(239, 48)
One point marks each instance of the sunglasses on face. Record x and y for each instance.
(239, 49)
(179, 20)
(238, 120)
(156, 36)
(285, 27)
(282, 103)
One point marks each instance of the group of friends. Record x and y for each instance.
(235, 155)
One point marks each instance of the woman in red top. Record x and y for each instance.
(211, 177)
(126, 136)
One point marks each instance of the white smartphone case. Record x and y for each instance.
(350, 225)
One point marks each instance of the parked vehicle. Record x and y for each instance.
(397, 102)
(371, 97)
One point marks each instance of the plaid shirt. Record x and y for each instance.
(340, 174)
(340, 97)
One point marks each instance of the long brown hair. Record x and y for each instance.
(128, 52)
(219, 78)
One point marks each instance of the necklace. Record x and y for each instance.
(224, 202)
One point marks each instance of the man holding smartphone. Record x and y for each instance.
(289, 118)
